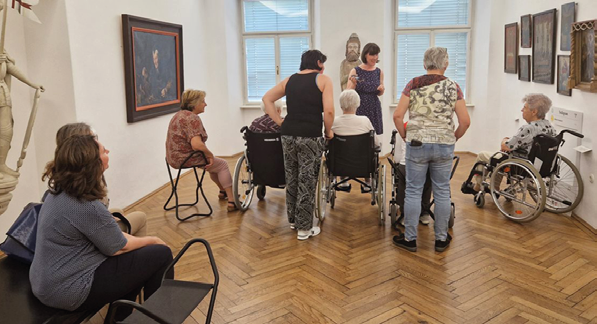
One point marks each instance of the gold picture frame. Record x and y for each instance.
(583, 56)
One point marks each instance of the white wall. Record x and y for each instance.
(501, 93)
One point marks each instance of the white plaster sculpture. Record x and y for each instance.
(353, 52)
(9, 177)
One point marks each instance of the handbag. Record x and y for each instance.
(21, 236)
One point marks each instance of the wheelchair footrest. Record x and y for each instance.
(467, 188)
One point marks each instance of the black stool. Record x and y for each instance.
(199, 187)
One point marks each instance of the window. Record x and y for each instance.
(275, 35)
(421, 24)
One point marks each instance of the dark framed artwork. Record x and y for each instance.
(153, 65)
(511, 48)
(544, 46)
(526, 34)
(563, 74)
(524, 68)
(568, 16)
(583, 56)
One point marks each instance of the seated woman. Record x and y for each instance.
(187, 134)
(535, 108)
(82, 259)
(137, 219)
(265, 124)
(351, 124)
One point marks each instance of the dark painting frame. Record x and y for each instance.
(524, 68)
(567, 18)
(153, 65)
(563, 75)
(526, 31)
(544, 46)
(511, 48)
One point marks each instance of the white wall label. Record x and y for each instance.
(565, 118)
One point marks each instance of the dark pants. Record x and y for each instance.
(401, 190)
(123, 276)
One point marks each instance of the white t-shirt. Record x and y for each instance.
(400, 150)
(350, 124)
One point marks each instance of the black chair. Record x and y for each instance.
(199, 187)
(174, 301)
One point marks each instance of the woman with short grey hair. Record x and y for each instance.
(430, 139)
(539, 102)
(349, 101)
(350, 123)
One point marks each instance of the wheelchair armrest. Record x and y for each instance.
(521, 151)
(127, 303)
(209, 254)
(125, 221)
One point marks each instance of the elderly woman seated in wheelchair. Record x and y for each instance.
(353, 136)
(528, 175)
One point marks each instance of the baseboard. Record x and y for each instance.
(584, 226)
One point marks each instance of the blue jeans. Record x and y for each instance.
(438, 159)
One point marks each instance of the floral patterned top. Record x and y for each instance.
(431, 108)
(184, 125)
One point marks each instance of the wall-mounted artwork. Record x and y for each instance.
(544, 46)
(511, 48)
(153, 67)
(568, 14)
(524, 68)
(583, 56)
(563, 74)
(526, 31)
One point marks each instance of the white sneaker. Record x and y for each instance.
(303, 235)
(425, 219)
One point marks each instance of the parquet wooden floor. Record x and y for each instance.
(495, 271)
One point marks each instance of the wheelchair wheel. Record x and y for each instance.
(518, 181)
(452, 215)
(564, 188)
(381, 194)
(261, 192)
(332, 197)
(480, 199)
(242, 186)
(322, 189)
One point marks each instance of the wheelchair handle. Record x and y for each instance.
(243, 129)
(393, 140)
(579, 135)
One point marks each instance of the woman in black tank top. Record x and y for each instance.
(309, 95)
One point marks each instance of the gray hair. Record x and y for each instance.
(436, 58)
(539, 102)
(349, 100)
(277, 104)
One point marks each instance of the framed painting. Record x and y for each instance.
(563, 74)
(524, 68)
(511, 48)
(153, 67)
(568, 16)
(544, 46)
(526, 35)
(583, 56)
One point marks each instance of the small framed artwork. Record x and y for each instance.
(511, 48)
(153, 67)
(524, 68)
(568, 13)
(563, 74)
(526, 35)
(583, 56)
(544, 46)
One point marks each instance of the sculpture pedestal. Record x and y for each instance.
(6, 187)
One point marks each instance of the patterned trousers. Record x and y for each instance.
(302, 158)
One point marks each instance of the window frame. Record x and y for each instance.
(276, 35)
(432, 31)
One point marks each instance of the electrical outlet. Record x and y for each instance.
(591, 178)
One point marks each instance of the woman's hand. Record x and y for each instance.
(329, 135)
(381, 89)
(157, 240)
(210, 161)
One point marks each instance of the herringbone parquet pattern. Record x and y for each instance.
(495, 271)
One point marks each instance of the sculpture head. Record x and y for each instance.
(353, 48)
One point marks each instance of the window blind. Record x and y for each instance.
(261, 66)
(291, 49)
(456, 45)
(411, 48)
(427, 13)
(276, 16)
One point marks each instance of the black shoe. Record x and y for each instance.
(344, 188)
(365, 189)
(440, 246)
(400, 241)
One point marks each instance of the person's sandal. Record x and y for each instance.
(222, 195)
(232, 206)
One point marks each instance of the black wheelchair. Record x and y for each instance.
(261, 166)
(349, 158)
(397, 175)
(522, 186)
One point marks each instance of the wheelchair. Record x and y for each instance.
(397, 175)
(349, 158)
(261, 166)
(522, 186)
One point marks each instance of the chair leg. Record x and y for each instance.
(174, 185)
(199, 187)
